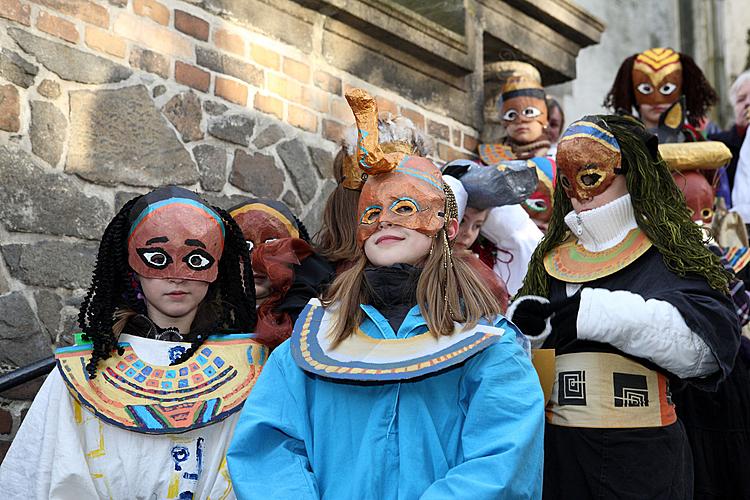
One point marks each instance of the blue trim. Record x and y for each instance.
(406, 198)
(546, 166)
(418, 175)
(602, 134)
(185, 201)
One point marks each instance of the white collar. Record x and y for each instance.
(602, 228)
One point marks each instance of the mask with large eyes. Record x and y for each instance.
(657, 77)
(179, 238)
(588, 159)
(523, 99)
(410, 196)
(263, 221)
(699, 195)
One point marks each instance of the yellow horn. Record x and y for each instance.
(370, 156)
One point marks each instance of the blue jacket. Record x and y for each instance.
(474, 430)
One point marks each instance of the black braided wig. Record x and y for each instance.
(229, 306)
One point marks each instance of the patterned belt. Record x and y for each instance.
(603, 390)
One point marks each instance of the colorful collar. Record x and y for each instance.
(492, 154)
(572, 263)
(737, 257)
(153, 399)
(363, 358)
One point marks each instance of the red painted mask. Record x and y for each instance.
(657, 77)
(699, 195)
(264, 220)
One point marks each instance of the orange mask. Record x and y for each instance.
(523, 99)
(699, 195)
(264, 220)
(657, 77)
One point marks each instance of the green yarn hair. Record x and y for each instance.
(660, 211)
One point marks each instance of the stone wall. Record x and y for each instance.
(101, 100)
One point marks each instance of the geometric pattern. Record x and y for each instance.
(630, 390)
(572, 388)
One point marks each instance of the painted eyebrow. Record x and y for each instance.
(158, 239)
(195, 243)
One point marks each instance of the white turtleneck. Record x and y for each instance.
(650, 329)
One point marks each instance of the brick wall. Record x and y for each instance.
(104, 99)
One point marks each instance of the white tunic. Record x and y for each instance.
(63, 451)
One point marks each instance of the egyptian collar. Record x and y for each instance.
(143, 396)
(364, 358)
(604, 241)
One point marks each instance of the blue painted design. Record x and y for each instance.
(138, 365)
(170, 374)
(183, 382)
(184, 201)
(179, 455)
(147, 370)
(209, 410)
(250, 354)
(202, 360)
(206, 351)
(596, 130)
(218, 362)
(144, 415)
(406, 198)
(175, 353)
(186, 495)
(183, 371)
(130, 372)
(166, 385)
(419, 175)
(210, 371)
(140, 377)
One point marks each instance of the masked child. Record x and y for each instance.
(405, 382)
(145, 404)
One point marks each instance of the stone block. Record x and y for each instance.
(153, 36)
(57, 26)
(47, 131)
(312, 220)
(292, 201)
(15, 11)
(257, 174)
(10, 109)
(268, 136)
(48, 307)
(118, 135)
(297, 162)
(184, 112)
(333, 130)
(22, 340)
(323, 161)
(105, 42)
(438, 130)
(69, 63)
(212, 165)
(158, 90)
(302, 118)
(49, 89)
(236, 129)
(231, 90)
(16, 69)
(223, 201)
(122, 197)
(51, 263)
(269, 104)
(150, 8)
(4, 446)
(214, 108)
(51, 204)
(150, 61)
(327, 82)
(191, 25)
(84, 10)
(229, 42)
(222, 63)
(4, 288)
(6, 421)
(24, 392)
(192, 76)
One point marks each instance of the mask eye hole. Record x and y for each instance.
(565, 181)
(510, 115)
(707, 214)
(667, 88)
(536, 205)
(370, 215)
(270, 240)
(590, 180)
(645, 88)
(531, 112)
(250, 245)
(404, 206)
(198, 260)
(156, 258)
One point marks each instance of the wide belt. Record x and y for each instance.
(604, 390)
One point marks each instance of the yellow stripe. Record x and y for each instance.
(293, 232)
(591, 137)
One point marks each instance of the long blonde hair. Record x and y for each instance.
(448, 290)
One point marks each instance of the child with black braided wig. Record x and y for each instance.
(144, 405)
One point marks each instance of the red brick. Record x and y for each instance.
(10, 108)
(447, 153)
(153, 36)
(286, 88)
(315, 99)
(386, 106)
(191, 25)
(152, 9)
(333, 131)
(470, 143)
(327, 82)
(57, 26)
(269, 104)
(4, 447)
(297, 70)
(229, 42)
(414, 116)
(105, 42)
(341, 111)
(265, 57)
(191, 76)
(302, 118)
(6, 422)
(82, 9)
(438, 130)
(231, 90)
(456, 137)
(15, 11)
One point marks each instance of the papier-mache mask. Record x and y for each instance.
(523, 99)
(657, 77)
(263, 220)
(400, 189)
(588, 158)
(174, 234)
(699, 195)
